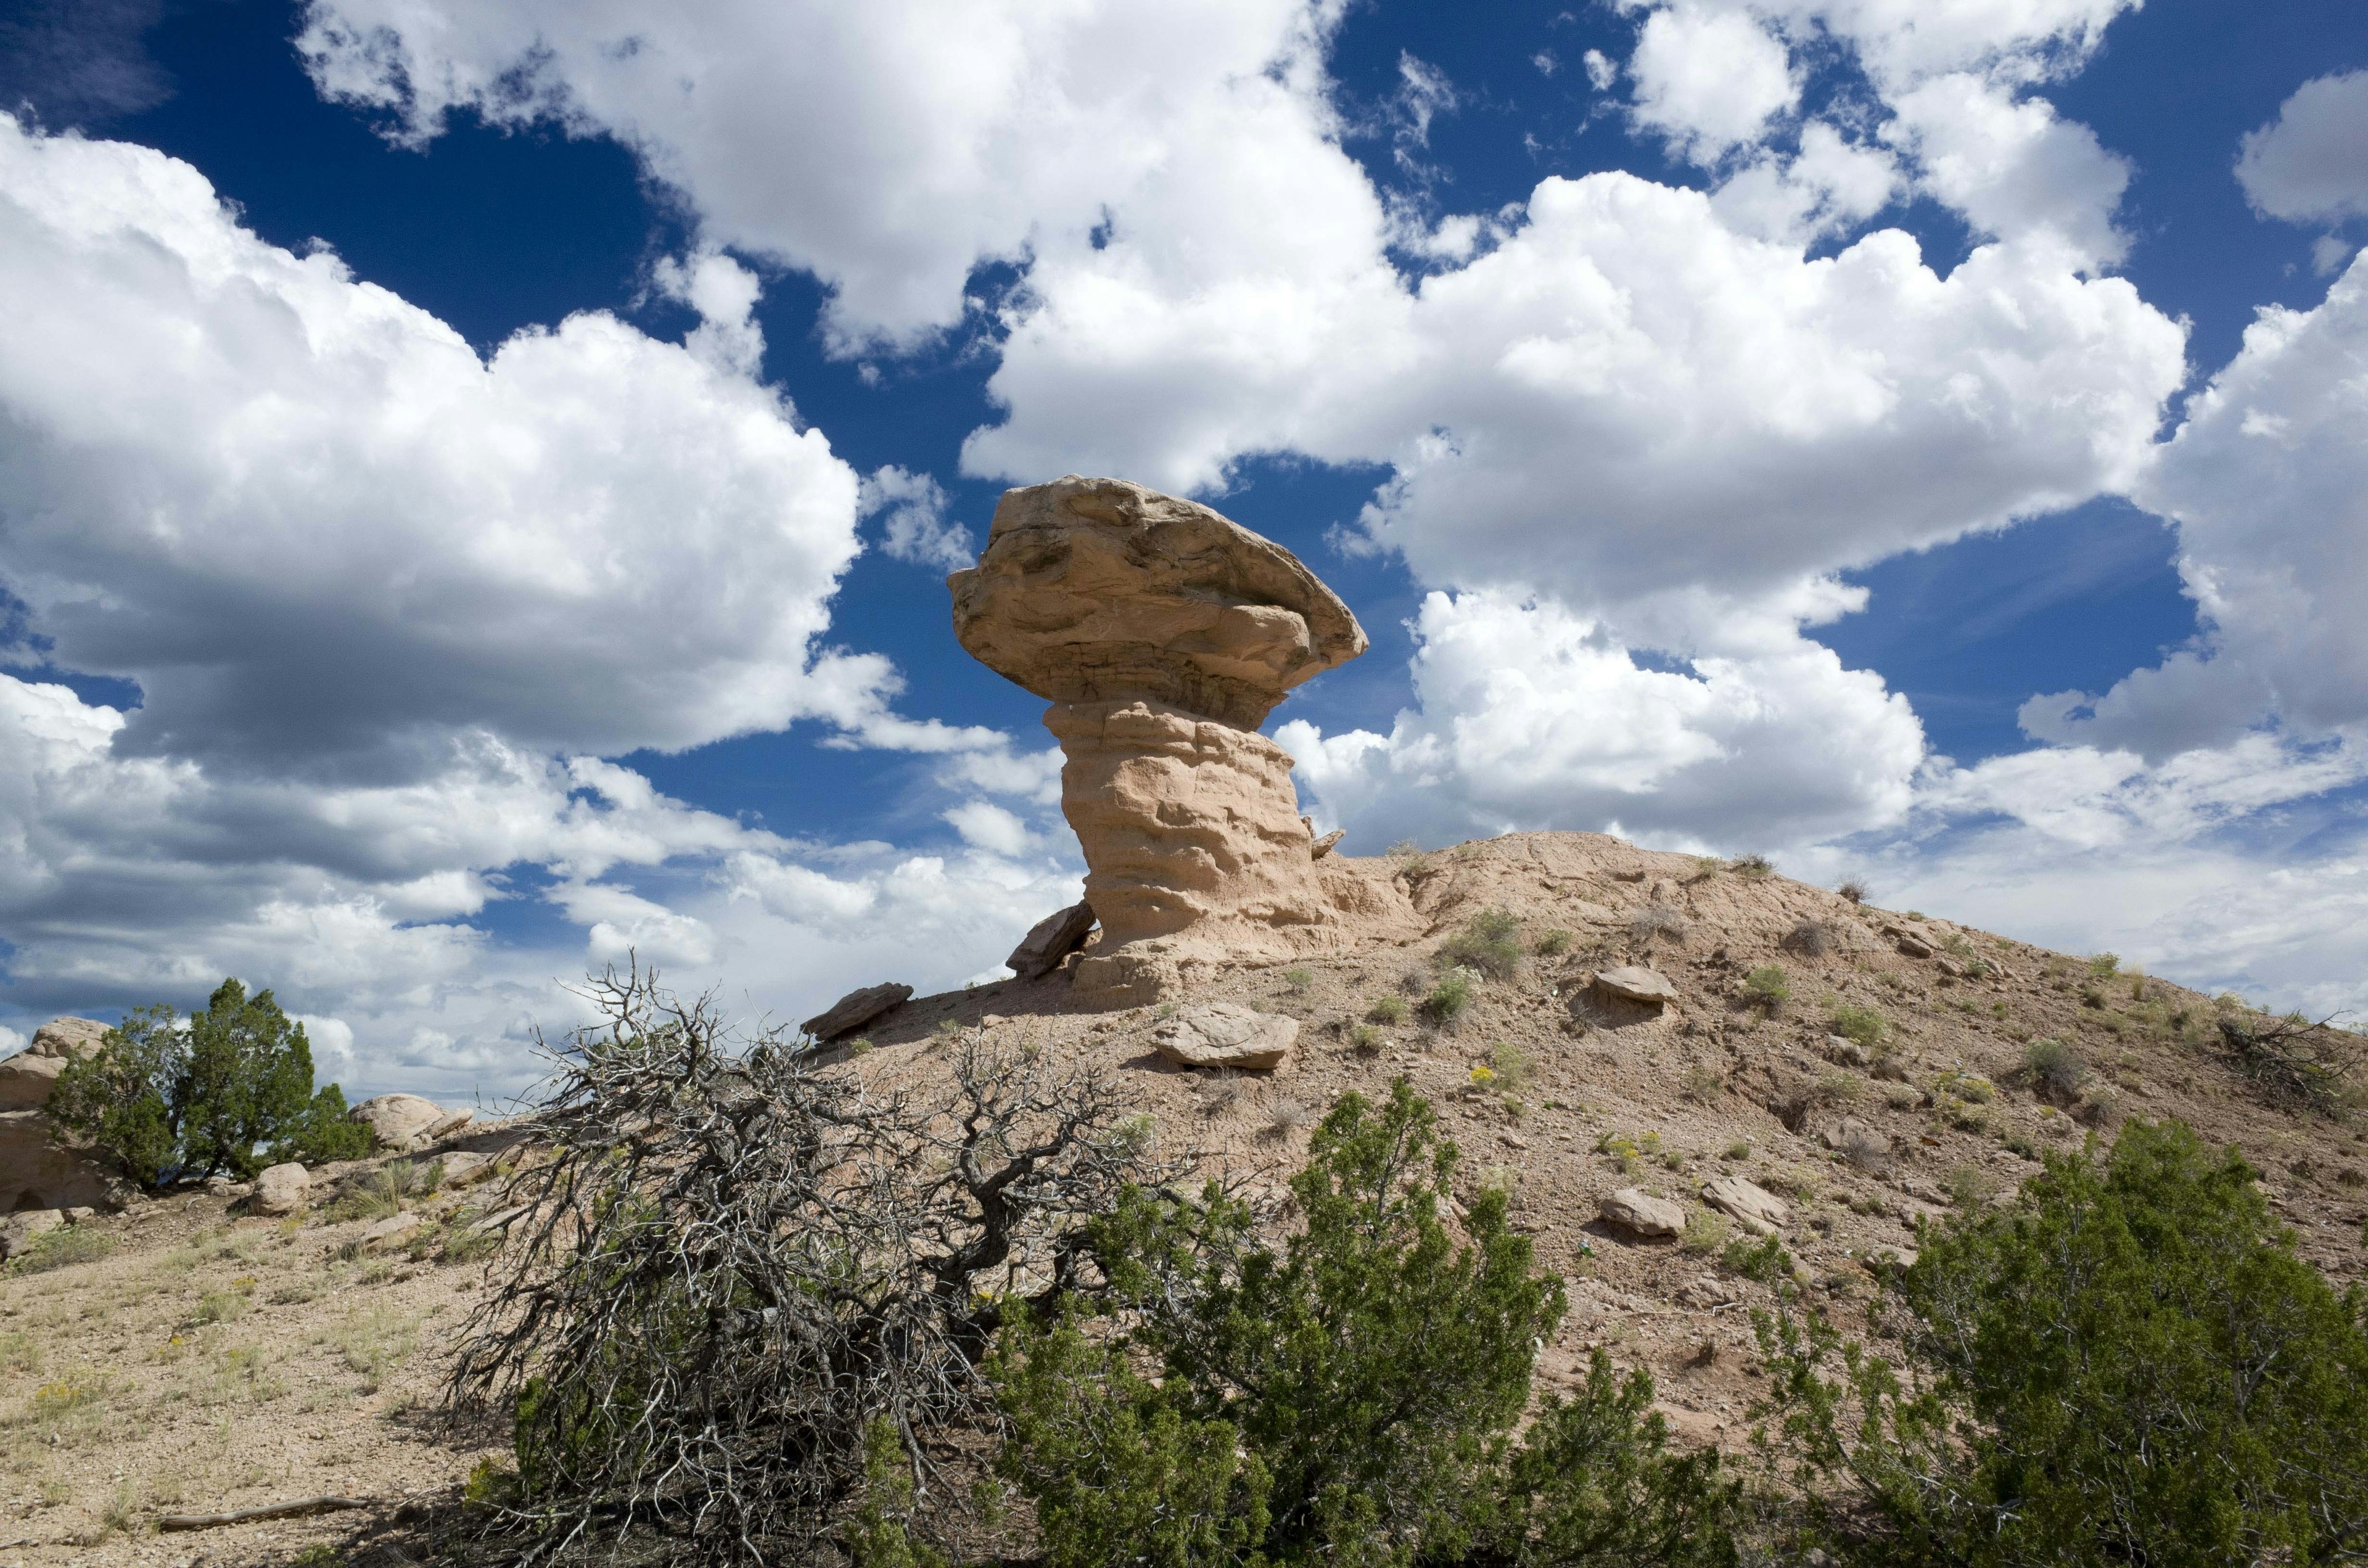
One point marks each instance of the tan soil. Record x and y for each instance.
(186, 1421)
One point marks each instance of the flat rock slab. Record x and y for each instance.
(1633, 1209)
(1635, 982)
(391, 1230)
(856, 1010)
(1747, 1204)
(1220, 1034)
(1050, 939)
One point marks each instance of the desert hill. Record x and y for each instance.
(201, 1360)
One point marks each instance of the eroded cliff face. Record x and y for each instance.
(1164, 634)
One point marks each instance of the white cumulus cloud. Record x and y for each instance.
(2307, 164)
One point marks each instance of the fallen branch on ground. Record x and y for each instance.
(299, 1507)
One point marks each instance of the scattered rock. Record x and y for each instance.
(1635, 982)
(1884, 1258)
(398, 1121)
(389, 1231)
(1708, 1291)
(1849, 1130)
(27, 1078)
(1220, 1034)
(1912, 946)
(17, 1233)
(1052, 939)
(282, 1189)
(466, 1168)
(1633, 1209)
(1325, 845)
(1747, 1204)
(855, 1009)
(1844, 1052)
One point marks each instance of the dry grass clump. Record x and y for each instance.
(1655, 920)
(1810, 938)
(1851, 891)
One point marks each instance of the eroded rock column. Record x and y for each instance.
(1163, 633)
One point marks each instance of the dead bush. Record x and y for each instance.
(733, 1264)
(1810, 938)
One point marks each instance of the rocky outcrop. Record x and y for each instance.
(27, 1078)
(1162, 634)
(399, 1121)
(38, 1171)
(855, 1009)
(16, 1232)
(1220, 1034)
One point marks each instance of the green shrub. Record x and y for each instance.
(1552, 942)
(1297, 980)
(229, 1091)
(1348, 1395)
(62, 1248)
(1767, 987)
(2104, 965)
(1448, 998)
(1754, 865)
(2130, 1366)
(2054, 1068)
(1386, 1010)
(1860, 1025)
(1488, 942)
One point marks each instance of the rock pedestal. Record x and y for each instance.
(1162, 634)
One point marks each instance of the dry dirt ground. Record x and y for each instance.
(209, 1362)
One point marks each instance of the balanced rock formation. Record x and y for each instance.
(1050, 939)
(1162, 634)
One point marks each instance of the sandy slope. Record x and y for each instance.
(279, 1402)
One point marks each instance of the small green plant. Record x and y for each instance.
(1364, 1039)
(1489, 942)
(1448, 998)
(1297, 980)
(222, 1306)
(1754, 865)
(1386, 1010)
(1513, 1065)
(1970, 1186)
(1739, 1150)
(2102, 965)
(1707, 1231)
(859, 1046)
(1768, 988)
(1967, 1087)
(1553, 942)
(1840, 1086)
(1702, 1083)
(1705, 868)
(1860, 1025)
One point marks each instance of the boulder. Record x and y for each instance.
(1162, 634)
(1220, 1034)
(1633, 1209)
(282, 1189)
(1635, 982)
(1747, 1204)
(389, 1231)
(466, 1168)
(398, 1121)
(855, 1009)
(1050, 939)
(27, 1078)
(1884, 1258)
(38, 1171)
(17, 1233)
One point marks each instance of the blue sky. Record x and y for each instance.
(476, 481)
